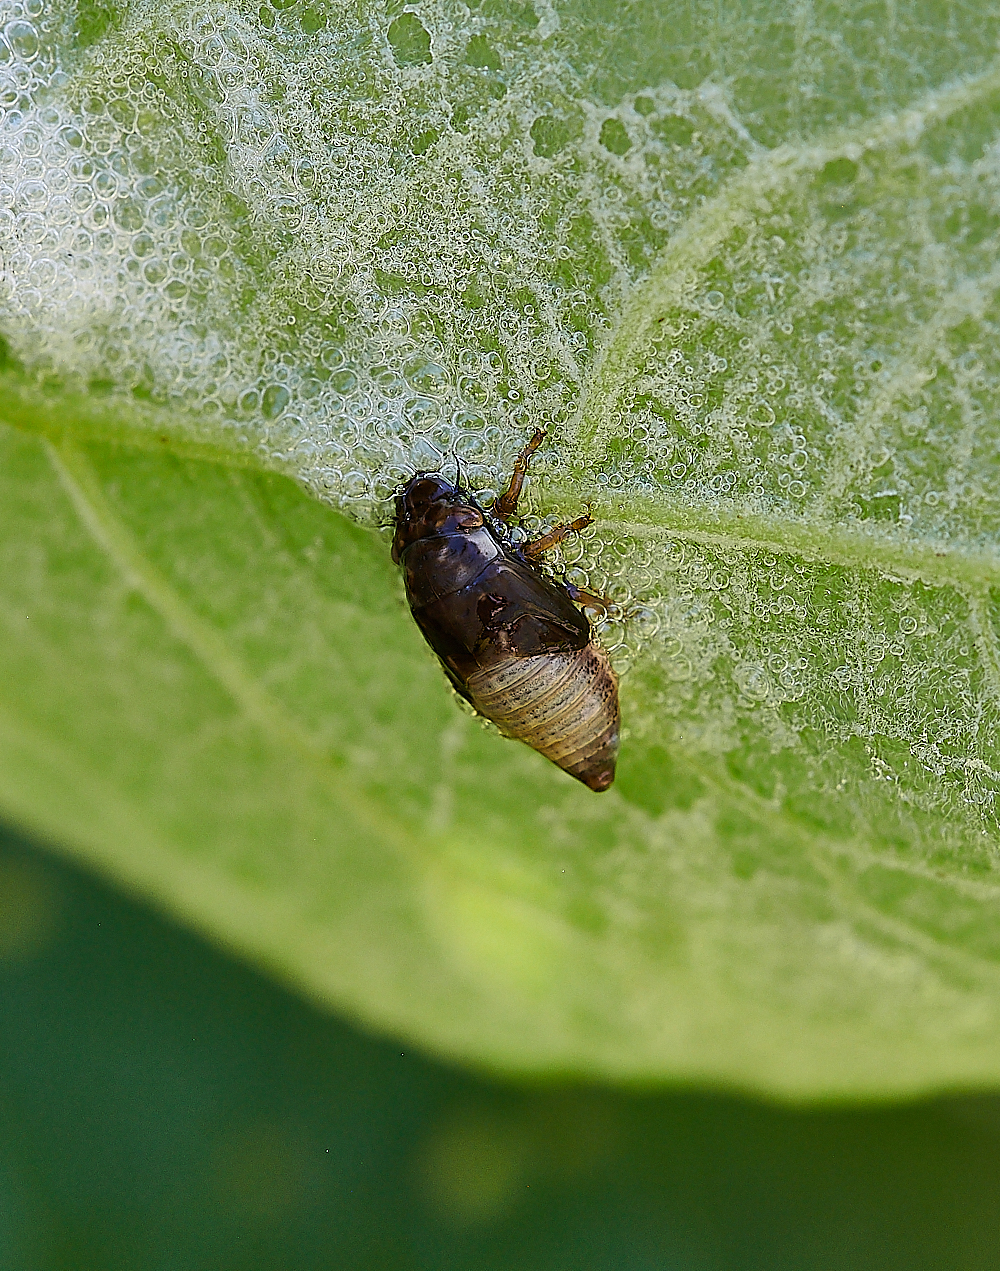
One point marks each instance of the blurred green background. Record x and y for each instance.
(164, 1107)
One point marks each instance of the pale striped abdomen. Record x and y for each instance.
(564, 705)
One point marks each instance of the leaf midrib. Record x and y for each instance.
(729, 527)
(118, 544)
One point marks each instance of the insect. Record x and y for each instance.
(512, 640)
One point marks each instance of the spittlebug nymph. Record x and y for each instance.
(512, 640)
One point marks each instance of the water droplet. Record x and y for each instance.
(276, 397)
(23, 39)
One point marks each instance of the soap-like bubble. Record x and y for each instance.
(374, 242)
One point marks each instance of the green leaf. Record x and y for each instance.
(260, 264)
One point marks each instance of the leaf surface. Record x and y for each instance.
(258, 265)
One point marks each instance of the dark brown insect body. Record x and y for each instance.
(512, 641)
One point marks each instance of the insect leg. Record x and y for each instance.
(590, 599)
(556, 535)
(506, 505)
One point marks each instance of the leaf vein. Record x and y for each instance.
(80, 482)
(694, 244)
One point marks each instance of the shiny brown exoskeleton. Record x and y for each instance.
(512, 641)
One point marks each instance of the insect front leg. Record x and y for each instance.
(506, 505)
(555, 536)
(590, 599)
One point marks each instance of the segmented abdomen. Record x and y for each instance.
(564, 705)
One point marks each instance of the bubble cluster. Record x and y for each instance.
(374, 239)
(367, 258)
(811, 367)
(367, 248)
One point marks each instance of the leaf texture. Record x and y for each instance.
(260, 265)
